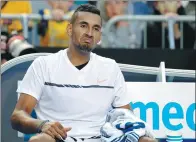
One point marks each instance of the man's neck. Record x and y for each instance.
(77, 58)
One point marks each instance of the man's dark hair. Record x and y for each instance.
(84, 8)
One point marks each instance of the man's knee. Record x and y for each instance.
(147, 139)
(41, 138)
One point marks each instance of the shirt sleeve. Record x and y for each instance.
(33, 81)
(120, 90)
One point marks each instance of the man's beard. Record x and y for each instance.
(84, 48)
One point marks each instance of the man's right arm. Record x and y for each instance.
(21, 119)
(30, 90)
(23, 122)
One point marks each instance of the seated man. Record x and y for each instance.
(73, 89)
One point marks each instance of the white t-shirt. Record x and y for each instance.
(76, 98)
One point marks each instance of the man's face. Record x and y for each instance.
(167, 6)
(115, 7)
(85, 32)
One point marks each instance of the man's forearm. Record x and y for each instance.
(23, 122)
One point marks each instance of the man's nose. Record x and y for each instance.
(89, 32)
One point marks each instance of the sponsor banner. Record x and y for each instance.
(166, 107)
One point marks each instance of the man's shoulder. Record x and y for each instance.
(103, 59)
(50, 59)
(106, 66)
(109, 62)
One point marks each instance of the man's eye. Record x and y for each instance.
(97, 29)
(83, 26)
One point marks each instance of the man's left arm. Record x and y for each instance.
(126, 107)
(123, 99)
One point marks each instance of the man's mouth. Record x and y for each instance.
(89, 40)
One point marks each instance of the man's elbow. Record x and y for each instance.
(14, 120)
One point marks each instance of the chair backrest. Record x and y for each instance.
(11, 72)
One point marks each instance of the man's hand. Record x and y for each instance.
(55, 130)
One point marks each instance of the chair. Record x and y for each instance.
(12, 72)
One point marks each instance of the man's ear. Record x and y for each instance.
(69, 30)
